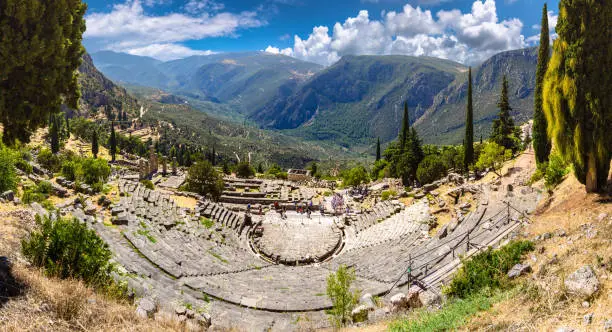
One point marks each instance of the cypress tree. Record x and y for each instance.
(378, 149)
(416, 152)
(541, 141)
(94, 144)
(54, 133)
(112, 142)
(468, 155)
(213, 158)
(577, 101)
(405, 132)
(503, 126)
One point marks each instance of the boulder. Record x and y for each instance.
(8, 195)
(146, 307)
(430, 187)
(582, 282)
(588, 318)
(399, 302)
(203, 319)
(566, 329)
(413, 297)
(39, 210)
(429, 298)
(518, 270)
(442, 232)
(607, 325)
(367, 301)
(360, 314)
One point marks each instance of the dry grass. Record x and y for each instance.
(544, 304)
(184, 202)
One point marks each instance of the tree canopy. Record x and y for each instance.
(577, 99)
(541, 141)
(40, 50)
(468, 152)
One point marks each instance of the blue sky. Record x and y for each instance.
(322, 31)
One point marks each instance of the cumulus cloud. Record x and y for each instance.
(166, 52)
(464, 37)
(275, 50)
(127, 28)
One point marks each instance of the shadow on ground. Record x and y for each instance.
(9, 286)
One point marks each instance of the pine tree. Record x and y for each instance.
(94, 143)
(541, 141)
(213, 159)
(378, 149)
(54, 133)
(416, 148)
(468, 154)
(577, 101)
(40, 50)
(503, 127)
(405, 133)
(112, 142)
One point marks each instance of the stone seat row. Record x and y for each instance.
(380, 211)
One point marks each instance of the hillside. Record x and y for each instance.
(360, 97)
(245, 80)
(443, 121)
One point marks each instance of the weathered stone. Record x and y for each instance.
(442, 232)
(399, 302)
(367, 301)
(607, 326)
(9, 195)
(518, 270)
(582, 282)
(147, 307)
(566, 329)
(429, 298)
(180, 310)
(429, 187)
(203, 319)
(39, 210)
(360, 314)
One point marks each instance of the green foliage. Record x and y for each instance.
(314, 170)
(202, 178)
(66, 248)
(148, 184)
(208, 223)
(244, 170)
(556, 170)
(378, 149)
(23, 165)
(487, 269)
(387, 194)
(539, 173)
(431, 169)
(38, 193)
(541, 140)
(451, 317)
(342, 298)
(49, 160)
(54, 132)
(576, 98)
(378, 170)
(94, 172)
(468, 153)
(492, 156)
(405, 131)
(40, 51)
(70, 169)
(504, 131)
(355, 176)
(8, 176)
(112, 142)
(45, 187)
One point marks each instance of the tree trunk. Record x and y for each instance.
(591, 176)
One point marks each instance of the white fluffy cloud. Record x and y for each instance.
(127, 28)
(463, 37)
(166, 52)
(275, 50)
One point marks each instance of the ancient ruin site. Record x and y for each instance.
(258, 258)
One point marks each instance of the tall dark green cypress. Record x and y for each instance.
(378, 149)
(503, 127)
(54, 133)
(112, 142)
(94, 143)
(541, 140)
(468, 155)
(212, 157)
(405, 133)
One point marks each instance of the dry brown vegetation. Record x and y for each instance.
(30, 301)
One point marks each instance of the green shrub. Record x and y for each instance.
(202, 178)
(342, 298)
(66, 248)
(23, 165)
(49, 161)
(208, 223)
(431, 169)
(355, 176)
(45, 187)
(487, 269)
(32, 195)
(244, 170)
(539, 173)
(70, 169)
(385, 195)
(94, 171)
(555, 171)
(8, 177)
(148, 184)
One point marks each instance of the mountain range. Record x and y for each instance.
(349, 103)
